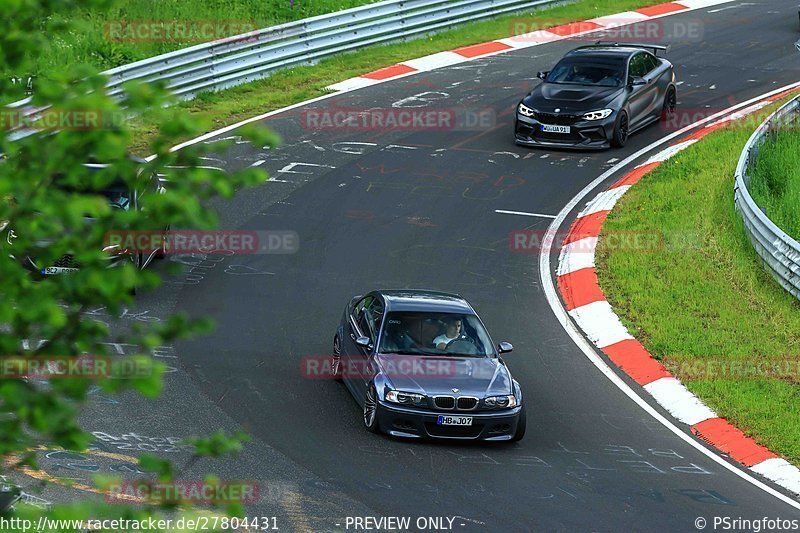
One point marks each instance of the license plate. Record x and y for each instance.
(49, 271)
(454, 420)
(550, 128)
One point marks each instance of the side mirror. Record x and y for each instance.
(635, 81)
(505, 347)
(364, 342)
(542, 74)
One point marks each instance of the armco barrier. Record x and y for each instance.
(251, 56)
(779, 252)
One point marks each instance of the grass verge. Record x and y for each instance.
(702, 304)
(295, 85)
(775, 180)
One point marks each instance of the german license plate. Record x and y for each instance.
(454, 420)
(551, 128)
(50, 271)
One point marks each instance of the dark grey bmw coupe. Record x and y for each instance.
(421, 364)
(596, 96)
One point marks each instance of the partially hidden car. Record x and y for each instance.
(596, 96)
(120, 196)
(421, 364)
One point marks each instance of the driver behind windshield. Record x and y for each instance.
(453, 330)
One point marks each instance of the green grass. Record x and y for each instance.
(295, 85)
(775, 182)
(705, 297)
(93, 45)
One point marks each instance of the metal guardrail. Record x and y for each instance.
(251, 56)
(779, 252)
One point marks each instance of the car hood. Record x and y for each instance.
(430, 375)
(546, 97)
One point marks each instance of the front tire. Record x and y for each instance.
(620, 136)
(522, 423)
(371, 407)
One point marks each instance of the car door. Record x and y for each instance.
(355, 357)
(642, 90)
(659, 78)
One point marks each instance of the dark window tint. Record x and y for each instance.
(638, 67)
(651, 62)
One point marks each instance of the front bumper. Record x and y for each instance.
(584, 134)
(421, 423)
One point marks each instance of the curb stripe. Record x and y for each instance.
(482, 49)
(580, 288)
(389, 72)
(574, 27)
(661, 9)
(600, 324)
(605, 201)
(635, 175)
(636, 361)
(673, 396)
(524, 40)
(577, 255)
(586, 226)
(723, 435)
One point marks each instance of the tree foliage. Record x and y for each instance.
(51, 205)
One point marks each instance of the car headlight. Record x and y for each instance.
(404, 398)
(501, 402)
(597, 115)
(525, 110)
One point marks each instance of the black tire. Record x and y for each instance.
(621, 130)
(336, 359)
(670, 103)
(521, 426)
(371, 404)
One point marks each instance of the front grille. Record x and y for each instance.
(557, 119)
(66, 261)
(444, 402)
(464, 432)
(467, 403)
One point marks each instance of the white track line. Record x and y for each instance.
(523, 213)
(580, 341)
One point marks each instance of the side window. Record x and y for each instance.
(360, 315)
(652, 62)
(375, 310)
(638, 66)
(365, 324)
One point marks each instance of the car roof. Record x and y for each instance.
(425, 300)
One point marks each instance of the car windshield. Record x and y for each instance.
(117, 193)
(418, 333)
(583, 72)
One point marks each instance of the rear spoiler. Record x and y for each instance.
(656, 48)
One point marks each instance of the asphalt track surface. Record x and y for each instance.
(377, 209)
